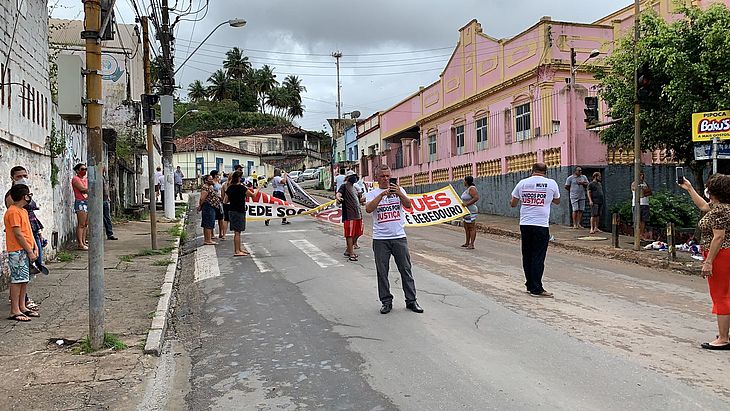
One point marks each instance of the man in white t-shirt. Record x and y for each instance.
(386, 204)
(536, 194)
(644, 211)
(340, 179)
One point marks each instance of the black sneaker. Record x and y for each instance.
(111, 237)
(385, 309)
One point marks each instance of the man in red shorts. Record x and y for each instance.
(350, 198)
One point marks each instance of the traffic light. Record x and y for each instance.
(148, 111)
(591, 110)
(644, 84)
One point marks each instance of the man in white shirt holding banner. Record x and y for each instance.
(536, 194)
(387, 203)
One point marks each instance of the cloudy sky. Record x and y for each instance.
(389, 47)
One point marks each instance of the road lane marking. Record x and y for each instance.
(262, 266)
(318, 256)
(206, 263)
(278, 232)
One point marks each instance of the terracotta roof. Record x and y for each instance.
(253, 131)
(202, 143)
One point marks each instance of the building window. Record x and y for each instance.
(522, 122)
(481, 130)
(556, 126)
(432, 148)
(459, 140)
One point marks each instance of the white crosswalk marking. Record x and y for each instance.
(263, 267)
(206, 263)
(318, 256)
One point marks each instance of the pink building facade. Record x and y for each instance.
(500, 105)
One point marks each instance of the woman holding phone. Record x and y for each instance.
(715, 243)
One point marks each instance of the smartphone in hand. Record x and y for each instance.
(680, 175)
(393, 181)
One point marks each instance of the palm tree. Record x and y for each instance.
(295, 110)
(197, 91)
(236, 63)
(219, 88)
(294, 85)
(264, 81)
(278, 99)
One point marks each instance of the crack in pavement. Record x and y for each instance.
(360, 337)
(476, 323)
(443, 297)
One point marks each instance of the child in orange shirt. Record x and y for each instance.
(21, 249)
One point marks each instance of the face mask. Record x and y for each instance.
(22, 181)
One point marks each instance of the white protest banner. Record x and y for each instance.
(265, 207)
(436, 207)
(299, 196)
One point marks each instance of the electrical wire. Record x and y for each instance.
(192, 32)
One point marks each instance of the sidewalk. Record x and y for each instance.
(575, 240)
(39, 374)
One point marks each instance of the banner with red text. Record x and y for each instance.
(436, 207)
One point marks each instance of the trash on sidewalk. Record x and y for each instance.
(656, 245)
(62, 342)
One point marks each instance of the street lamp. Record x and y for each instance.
(232, 22)
(183, 116)
(574, 68)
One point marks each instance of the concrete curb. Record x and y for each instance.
(156, 335)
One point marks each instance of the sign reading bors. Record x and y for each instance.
(710, 125)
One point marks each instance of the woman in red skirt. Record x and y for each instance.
(715, 228)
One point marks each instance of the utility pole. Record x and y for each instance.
(337, 55)
(166, 102)
(637, 130)
(95, 152)
(148, 126)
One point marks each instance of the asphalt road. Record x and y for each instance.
(297, 327)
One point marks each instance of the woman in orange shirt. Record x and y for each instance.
(715, 243)
(80, 185)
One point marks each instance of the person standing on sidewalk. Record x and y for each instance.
(644, 210)
(595, 201)
(386, 203)
(160, 185)
(21, 249)
(207, 206)
(237, 193)
(178, 182)
(19, 175)
(218, 187)
(278, 184)
(80, 185)
(536, 194)
(469, 198)
(715, 228)
(576, 184)
(351, 199)
(108, 227)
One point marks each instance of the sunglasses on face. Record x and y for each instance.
(82, 169)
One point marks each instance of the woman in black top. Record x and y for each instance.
(237, 194)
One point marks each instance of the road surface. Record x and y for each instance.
(297, 326)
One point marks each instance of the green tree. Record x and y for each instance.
(689, 59)
(197, 91)
(264, 80)
(236, 63)
(219, 88)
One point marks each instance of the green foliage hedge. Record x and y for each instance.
(665, 207)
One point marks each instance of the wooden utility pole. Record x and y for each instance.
(150, 137)
(95, 152)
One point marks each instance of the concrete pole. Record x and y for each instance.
(715, 148)
(148, 128)
(637, 130)
(166, 132)
(336, 130)
(95, 152)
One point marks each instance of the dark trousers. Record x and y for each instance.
(534, 248)
(398, 248)
(108, 219)
(178, 190)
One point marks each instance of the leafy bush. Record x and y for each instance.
(665, 208)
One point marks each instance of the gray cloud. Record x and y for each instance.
(313, 29)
